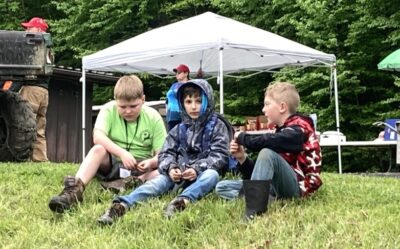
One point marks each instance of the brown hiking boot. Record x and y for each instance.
(118, 209)
(122, 184)
(177, 204)
(71, 194)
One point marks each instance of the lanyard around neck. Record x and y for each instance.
(134, 134)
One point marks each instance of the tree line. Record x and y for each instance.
(360, 33)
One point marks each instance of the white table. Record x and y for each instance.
(371, 144)
(378, 143)
(392, 145)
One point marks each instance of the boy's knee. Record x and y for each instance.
(211, 174)
(266, 153)
(98, 149)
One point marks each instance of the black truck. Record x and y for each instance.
(24, 57)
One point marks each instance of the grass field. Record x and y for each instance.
(348, 212)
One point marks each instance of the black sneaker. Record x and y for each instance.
(118, 209)
(176, 205)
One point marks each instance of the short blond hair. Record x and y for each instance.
(128, 88)
(284, 92)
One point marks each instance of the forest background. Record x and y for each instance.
(359, 33)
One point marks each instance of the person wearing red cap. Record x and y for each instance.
(36, 93)
(36, 24)
(173, 111)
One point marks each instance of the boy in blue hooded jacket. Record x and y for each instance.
(184, 163)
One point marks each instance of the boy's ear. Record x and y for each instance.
(283, 107)
(144, 98)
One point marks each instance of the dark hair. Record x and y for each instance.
(192, 90)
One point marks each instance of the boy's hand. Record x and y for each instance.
(189, 174)
(237, 151)
(237, 133)
(144, 166)
(175, 174)
(128, 160)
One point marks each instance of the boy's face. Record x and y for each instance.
(129, 109)
(192, 106)
(274, 111)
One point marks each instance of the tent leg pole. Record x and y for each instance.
(221, 81)
(83, 80)
(337, 117)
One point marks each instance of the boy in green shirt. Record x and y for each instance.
(127, 136)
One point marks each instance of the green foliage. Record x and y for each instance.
(359, 33)
(347, 212)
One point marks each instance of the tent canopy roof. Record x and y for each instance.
(391, 62)
(196, 42)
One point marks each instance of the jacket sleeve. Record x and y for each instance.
(312, 181)
(289, 139)
(218, 152)
(168, 154)
(246, 169)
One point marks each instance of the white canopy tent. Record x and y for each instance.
(216, 44)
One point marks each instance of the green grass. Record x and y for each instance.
(348, 212)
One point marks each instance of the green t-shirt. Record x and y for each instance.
(141, 137)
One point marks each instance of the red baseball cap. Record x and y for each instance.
(36, 22)
(181, 68)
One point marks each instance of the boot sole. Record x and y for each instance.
(58, 207)
(105, 222)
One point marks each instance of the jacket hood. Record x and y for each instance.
(207, 91)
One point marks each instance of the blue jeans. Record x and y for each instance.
(204, 183)
(269, 166)
(229, 189)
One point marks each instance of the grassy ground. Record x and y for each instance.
(348, 212)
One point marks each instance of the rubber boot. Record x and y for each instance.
(256, 193)
(71, 195)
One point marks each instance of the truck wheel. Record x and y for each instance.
(17, 127)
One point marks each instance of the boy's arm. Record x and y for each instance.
(101, 131)
(244, 165)
(168, 154)
(289, 139)
(99, 137)
(149, 164)
(219, 150)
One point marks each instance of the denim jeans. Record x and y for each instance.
(204, 183)
(229, 189)
(271, 165)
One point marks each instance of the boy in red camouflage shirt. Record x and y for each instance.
(289, 159)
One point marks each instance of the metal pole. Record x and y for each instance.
(337, 117)
(398, 142)
(221, 81)
(83, 80)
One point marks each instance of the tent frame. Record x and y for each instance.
(226, 45)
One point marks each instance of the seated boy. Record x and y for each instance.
(127, 136)
(184, 161)
(290, 158)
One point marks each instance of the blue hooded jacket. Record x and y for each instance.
(216, 157)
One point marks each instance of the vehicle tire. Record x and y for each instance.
(17, 127)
